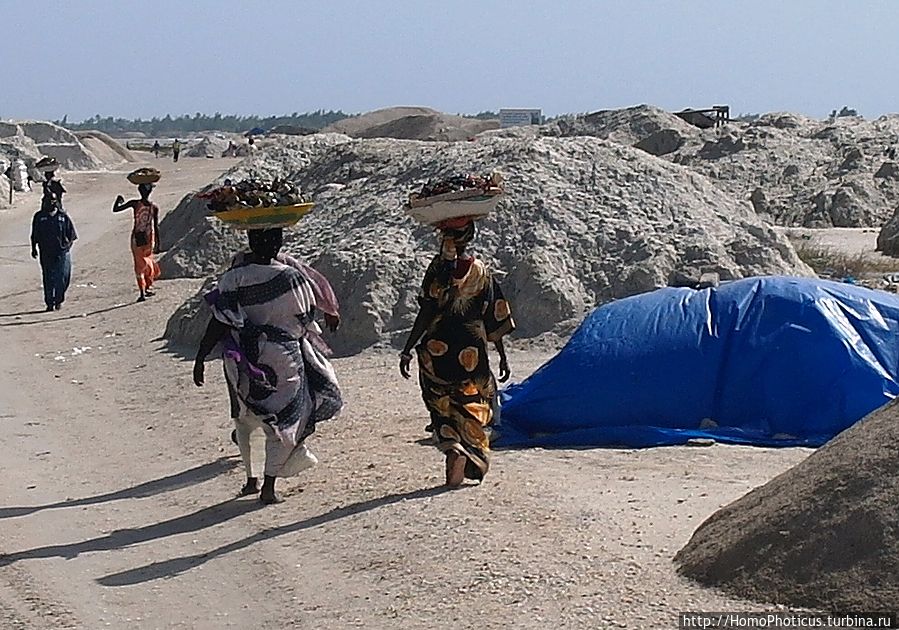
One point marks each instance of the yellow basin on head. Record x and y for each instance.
(260, 218)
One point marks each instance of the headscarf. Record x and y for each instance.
(454, 238)
(463, 235)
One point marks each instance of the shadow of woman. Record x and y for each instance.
(183, 479)
(31, 322)
(121, 538)
(176, 566)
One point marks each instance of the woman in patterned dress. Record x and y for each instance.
(462, 310)
(144, 238)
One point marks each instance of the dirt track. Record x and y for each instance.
(118, 489)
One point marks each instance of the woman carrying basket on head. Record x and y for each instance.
(282, 385)
(144, 235)
(462, 310)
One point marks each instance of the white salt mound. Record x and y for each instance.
(584, 221)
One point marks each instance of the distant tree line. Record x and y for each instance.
(186, 123)
(486, 115)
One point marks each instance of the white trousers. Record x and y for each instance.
(262, 450)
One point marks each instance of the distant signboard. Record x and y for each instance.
(518, 117)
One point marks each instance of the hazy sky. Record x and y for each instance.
(124, 58)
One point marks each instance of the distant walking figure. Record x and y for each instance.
(156, 149)
(52, 235)
(176, 149)
(144, 238)
(48, 166)
(12, 187)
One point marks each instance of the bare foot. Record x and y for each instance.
(268, 495)
(455, 469)
(251, 487)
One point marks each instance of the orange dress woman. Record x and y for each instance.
(144, 238)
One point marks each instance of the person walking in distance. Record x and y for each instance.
(144, 238)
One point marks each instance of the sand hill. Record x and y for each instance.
(821, 535)
(794, 170)
(105, 148)
(31, 140)
(585, 221)
(412, 123)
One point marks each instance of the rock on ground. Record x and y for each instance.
(629, 126)
(71, 156)
(209, 146)
(888, 237)
(821, 535)
(4, 190)
(42, 131)
(14, 142)
(585, 221)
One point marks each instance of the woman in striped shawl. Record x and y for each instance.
(263, 317)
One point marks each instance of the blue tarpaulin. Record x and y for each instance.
(766, 361)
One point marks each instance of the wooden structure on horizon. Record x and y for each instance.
(714, 116)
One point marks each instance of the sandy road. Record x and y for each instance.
(117, 505)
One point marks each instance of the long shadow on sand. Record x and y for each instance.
(20, 313)
(46, 320)
(183, 479)
(121, 538)
(176, 566)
